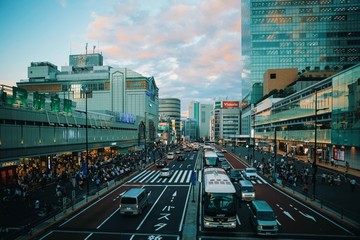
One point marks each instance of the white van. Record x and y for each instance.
(263, 218)
(247, 190)
(133, 201)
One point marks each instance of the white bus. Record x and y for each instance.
(210, 159)
(219, 199)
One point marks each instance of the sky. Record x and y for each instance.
(191, 47)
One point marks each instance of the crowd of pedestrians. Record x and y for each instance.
(68, 176)
(300, 176)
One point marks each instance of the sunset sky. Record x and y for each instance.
(191, 47)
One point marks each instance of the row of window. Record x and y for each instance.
(297, 44)
(294, 3)
(306, 35)
(272, 12)
(305, 52)
(283, 20)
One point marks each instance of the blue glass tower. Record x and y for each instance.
(305, 34)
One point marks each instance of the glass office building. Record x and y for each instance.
(333, 105)
(305, 34)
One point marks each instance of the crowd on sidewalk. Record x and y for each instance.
(291, 174)
(67, 177)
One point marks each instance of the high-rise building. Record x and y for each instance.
(200, 113)
(170, 108)
(315, 34)
(227, 119)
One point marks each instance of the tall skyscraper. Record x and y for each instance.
(304, 34)
(200, 113)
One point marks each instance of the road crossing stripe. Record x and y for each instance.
(138, 176)
(188, 177)
(178, 176)
(184, 175)
(156, 177)
(148, 175)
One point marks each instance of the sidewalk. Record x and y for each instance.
(323, 164)
(21, 220)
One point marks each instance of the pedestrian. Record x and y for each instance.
(323, 177)
(347, 166)
(306, 188)
(37, 205)
(97, 181)
(352, 184)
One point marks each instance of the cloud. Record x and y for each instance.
(63, 3)
(193, 49)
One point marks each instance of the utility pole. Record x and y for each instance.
(314, 165)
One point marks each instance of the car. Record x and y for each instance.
(225, 165)
(235, 175)
(263, 218)
(180, 157)
(247, 190)
(178, 151)
(221, 156)
(170, 156)
(223, 150)
(188, 149)
(166, 172)
(161, 163)
(250, 173)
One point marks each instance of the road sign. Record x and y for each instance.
(193, 178)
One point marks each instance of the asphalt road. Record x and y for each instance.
(169, 198)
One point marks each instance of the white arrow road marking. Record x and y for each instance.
(188, 165)
(288, 214)
(174, 194)
(308, 216)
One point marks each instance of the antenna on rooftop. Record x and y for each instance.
(86, 48)
(94, 49)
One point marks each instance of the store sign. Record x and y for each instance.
(19, 96)
(230, 104)
(126, 118)
(9, 164)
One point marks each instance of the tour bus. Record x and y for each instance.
(219, 199)
(210, 159)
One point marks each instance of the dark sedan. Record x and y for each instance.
(161, 163)
(235, 175)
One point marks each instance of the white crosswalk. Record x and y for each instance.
(179, 176)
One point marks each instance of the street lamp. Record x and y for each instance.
(314, 165)
(275, 154)
(253, 111)
(145, 140)
(85, 90)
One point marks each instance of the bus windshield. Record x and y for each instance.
(219, 202)
(210, 161)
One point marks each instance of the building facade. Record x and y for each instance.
(299, 34)
(201, 113)
(110, 90)
(322, 119)
(227, 120)
(171, 108)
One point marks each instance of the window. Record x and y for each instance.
(272, 75)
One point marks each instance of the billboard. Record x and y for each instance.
(230, 104)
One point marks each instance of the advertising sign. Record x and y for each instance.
(339, 154)
(230, 104)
